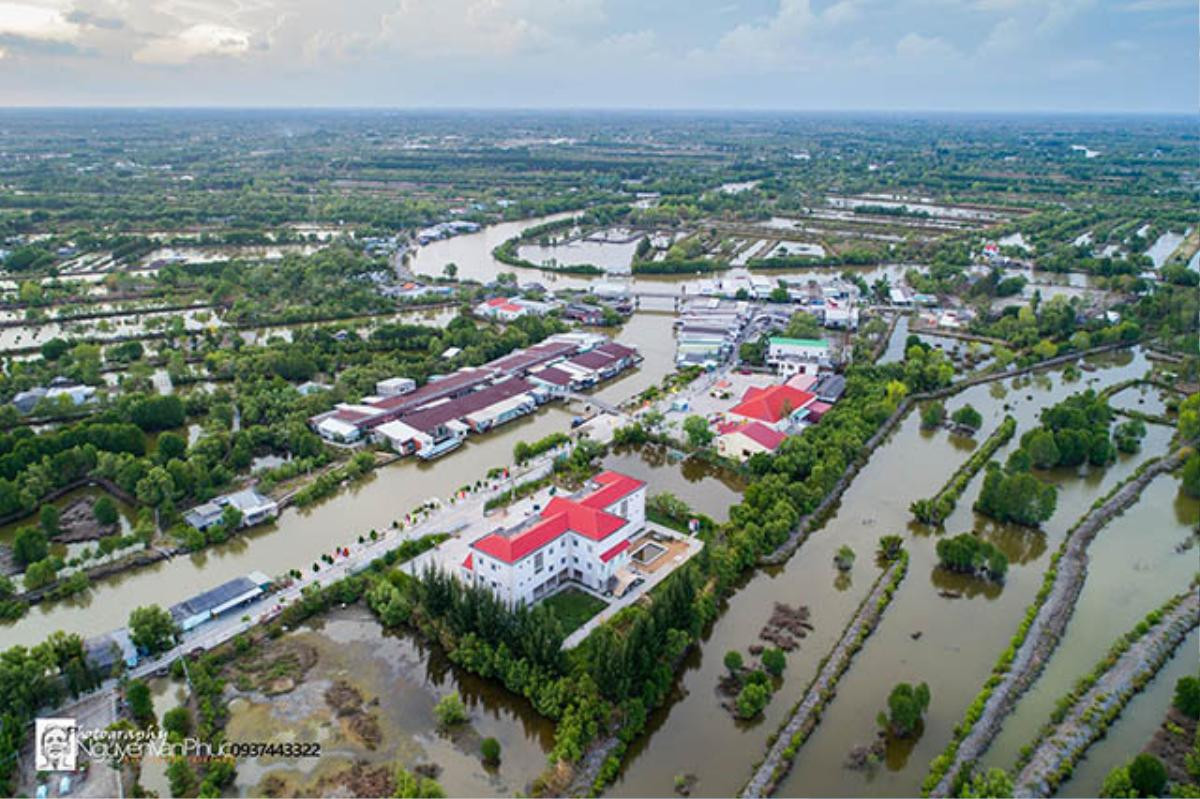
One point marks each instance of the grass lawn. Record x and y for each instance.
(573, 607)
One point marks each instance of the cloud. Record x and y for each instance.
(85, 19)
(194, 42)
(35, 22)
(917, 47)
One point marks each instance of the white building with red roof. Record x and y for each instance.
(776, 406)
(741, 440)
(583, 538)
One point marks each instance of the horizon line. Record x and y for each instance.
(763, 110)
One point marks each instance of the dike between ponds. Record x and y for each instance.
(1100, 697)
(1039, 633)
(807, 713)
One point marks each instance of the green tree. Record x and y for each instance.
(733, 661)
(177, 721)
(180, 777)
(450, 711)
(30, 545)
(844, 558)
(41, 573)
(890, 547)
(411, 786)
(152, 629)
(141, 705)
(1187, 696)
(698, 433)
(774, 661)
(1147, 775)
(490, 749)
(450, 270)
(752, 699)
(992, 784)
(1117, 784)
(105, 510)
(1191, 475)
(171, 446)
(906, 707)
(967, 417)
(932, 415)
(48, 518)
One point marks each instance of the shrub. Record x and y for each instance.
(450, 711)
(1187, 696)
(490, 749)
(774, 661)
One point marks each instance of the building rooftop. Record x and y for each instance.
(772, 404)
(800, 342)
(584, 515)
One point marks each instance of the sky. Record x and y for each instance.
(902, 55)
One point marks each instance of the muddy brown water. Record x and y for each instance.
(407, 678)
(706, 488)
(960, 637)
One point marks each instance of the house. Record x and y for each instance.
(395, 386)
(583, 313)
(108, 653)
(254, 507)
(741, 440)
(193, 612)
(830, 388)
(26, 401)
(790, 356)
(583, 538)
(776, 406)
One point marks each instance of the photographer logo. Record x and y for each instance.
(55, 745)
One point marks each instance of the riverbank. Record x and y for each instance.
(1101, 696)
(807, 713)
(1038, 634)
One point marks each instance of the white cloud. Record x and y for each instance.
(917, 47)
(35, 22)
(196, 41)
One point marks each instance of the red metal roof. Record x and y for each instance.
(563, 515)
(511, 308)
(761, 434)
(769, 404)
(613, 487)
(617, 550)
(469, 562)
(496, 301)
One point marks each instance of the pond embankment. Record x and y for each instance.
(1145, 650)
(808, 712)
(1040, 632)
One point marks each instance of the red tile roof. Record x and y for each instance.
(496, 301)
(510, 307)
(768, 404)
(608, 555)
(613, 487)
(469, 562)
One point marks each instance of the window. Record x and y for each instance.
(537, 563)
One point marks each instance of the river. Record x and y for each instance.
(472, 254)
